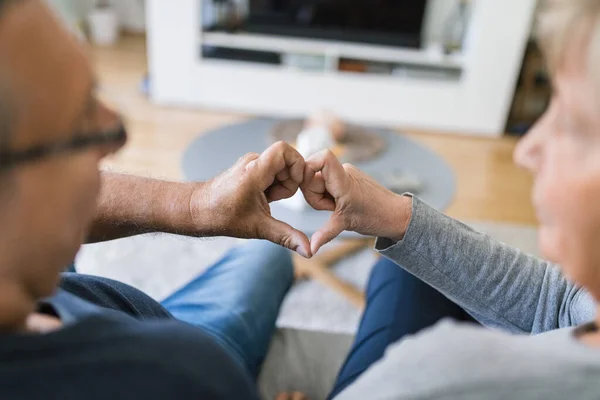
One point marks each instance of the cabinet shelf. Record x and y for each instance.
(332, 49)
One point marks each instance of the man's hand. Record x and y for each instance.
(358, 202)
(236, 203)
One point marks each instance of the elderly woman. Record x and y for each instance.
(546, 341)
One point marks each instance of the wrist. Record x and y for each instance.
(399, 217)
(203, 214)
(172, 208)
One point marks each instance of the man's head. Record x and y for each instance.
(47, 89)
(563, 148)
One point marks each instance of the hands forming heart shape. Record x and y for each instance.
(240, 199)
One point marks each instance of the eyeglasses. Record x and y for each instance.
(10, 159)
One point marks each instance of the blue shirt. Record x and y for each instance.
(116, 343)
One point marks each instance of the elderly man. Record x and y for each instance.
(76, 337)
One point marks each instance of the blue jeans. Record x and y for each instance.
(398, 304)
(237, 300)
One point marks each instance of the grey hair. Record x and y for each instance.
(560, 22)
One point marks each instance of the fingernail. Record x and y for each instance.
(300, 250)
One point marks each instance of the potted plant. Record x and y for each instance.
(103, 24)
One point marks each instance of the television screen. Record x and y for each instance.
(385, 22)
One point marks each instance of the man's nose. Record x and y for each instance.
(115, 146)
(111, 121)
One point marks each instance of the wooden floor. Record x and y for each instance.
(490, 186)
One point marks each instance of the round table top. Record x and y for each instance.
(216, 151)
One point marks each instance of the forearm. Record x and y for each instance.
(499, 285)
(131, 205)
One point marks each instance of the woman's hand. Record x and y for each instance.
(358, 202)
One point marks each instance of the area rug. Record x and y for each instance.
(159, 263)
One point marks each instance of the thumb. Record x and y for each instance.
(332, 172)
(283, 234)
(332, 229)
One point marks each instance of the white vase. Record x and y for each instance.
(103, 26)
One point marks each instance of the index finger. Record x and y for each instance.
(277, 158)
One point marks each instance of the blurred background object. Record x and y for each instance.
(128, 15)
(533, 92)
(70, 13)
(103, 24)
(444, 65)
(456, 26)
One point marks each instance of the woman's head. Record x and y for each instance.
(563, 149)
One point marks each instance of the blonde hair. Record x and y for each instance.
(563, 22)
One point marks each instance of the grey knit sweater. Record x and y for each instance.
(531, 352)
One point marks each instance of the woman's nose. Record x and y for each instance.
(526, 154)
(529, 151)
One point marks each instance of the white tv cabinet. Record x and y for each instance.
(474, 99)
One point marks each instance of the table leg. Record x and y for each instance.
(317, 268)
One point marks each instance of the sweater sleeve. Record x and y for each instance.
(498, 285)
